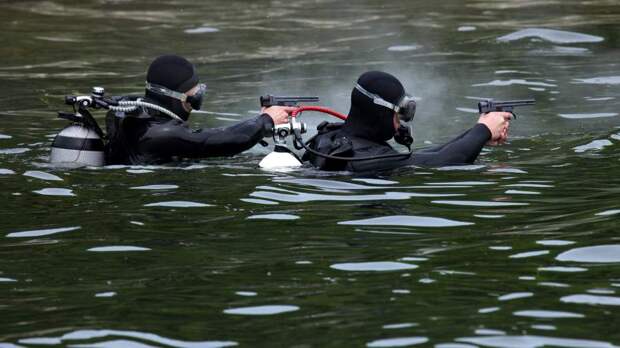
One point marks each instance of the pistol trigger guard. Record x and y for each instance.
(514, 116)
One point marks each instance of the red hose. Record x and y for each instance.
(319, 109)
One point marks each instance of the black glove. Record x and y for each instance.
(403, 136)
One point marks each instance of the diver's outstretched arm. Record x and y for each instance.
(177, 140)
(464, 149)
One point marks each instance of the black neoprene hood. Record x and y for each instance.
(368, 120)
(175, 73)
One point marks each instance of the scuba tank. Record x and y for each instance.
(78, 144)
(81, 142)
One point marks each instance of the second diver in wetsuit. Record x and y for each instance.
(147, 136)
(378, 104)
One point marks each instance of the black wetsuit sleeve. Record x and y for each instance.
(175, 139)
(463, 149)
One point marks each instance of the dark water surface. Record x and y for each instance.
(521, 250)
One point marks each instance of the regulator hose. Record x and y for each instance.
(131, 105)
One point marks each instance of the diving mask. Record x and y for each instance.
(405, 108)
(195, 101)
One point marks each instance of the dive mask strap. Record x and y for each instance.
(155, 88)
(377, 99)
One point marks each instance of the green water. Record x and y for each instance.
(520, 250)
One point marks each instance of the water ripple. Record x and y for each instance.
(42, 175)
(599, 253)
(262, 310)
(381, 266)
(273, 217)
(14, 151)
(588, 115)
(155, 187)
(40, 233)
(547, 314)
(397, 342)
(178, 204)
(522, 82)
(53, 191)
(551, 242)
(298, 197)
(562, 269)
(514, 296)
(604, 80)
(551, 35)
(106, 294)
(480, 203)
(529, 254)
(116, 248)
(407, 220)
(403, 48)
(93, 334)
(593, 145)
(592, 300)
(201, 30)
(533, 342)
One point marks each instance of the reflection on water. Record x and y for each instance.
(599, 253)
(373, 266)
(116, 248)
(262, 310)
(74, 337)
(517, 250)
(555, 36)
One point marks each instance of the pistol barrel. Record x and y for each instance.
(516, 102)
(504, 105)
(270, 100)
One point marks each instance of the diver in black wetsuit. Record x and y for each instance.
(147, 136)
(378, 104)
